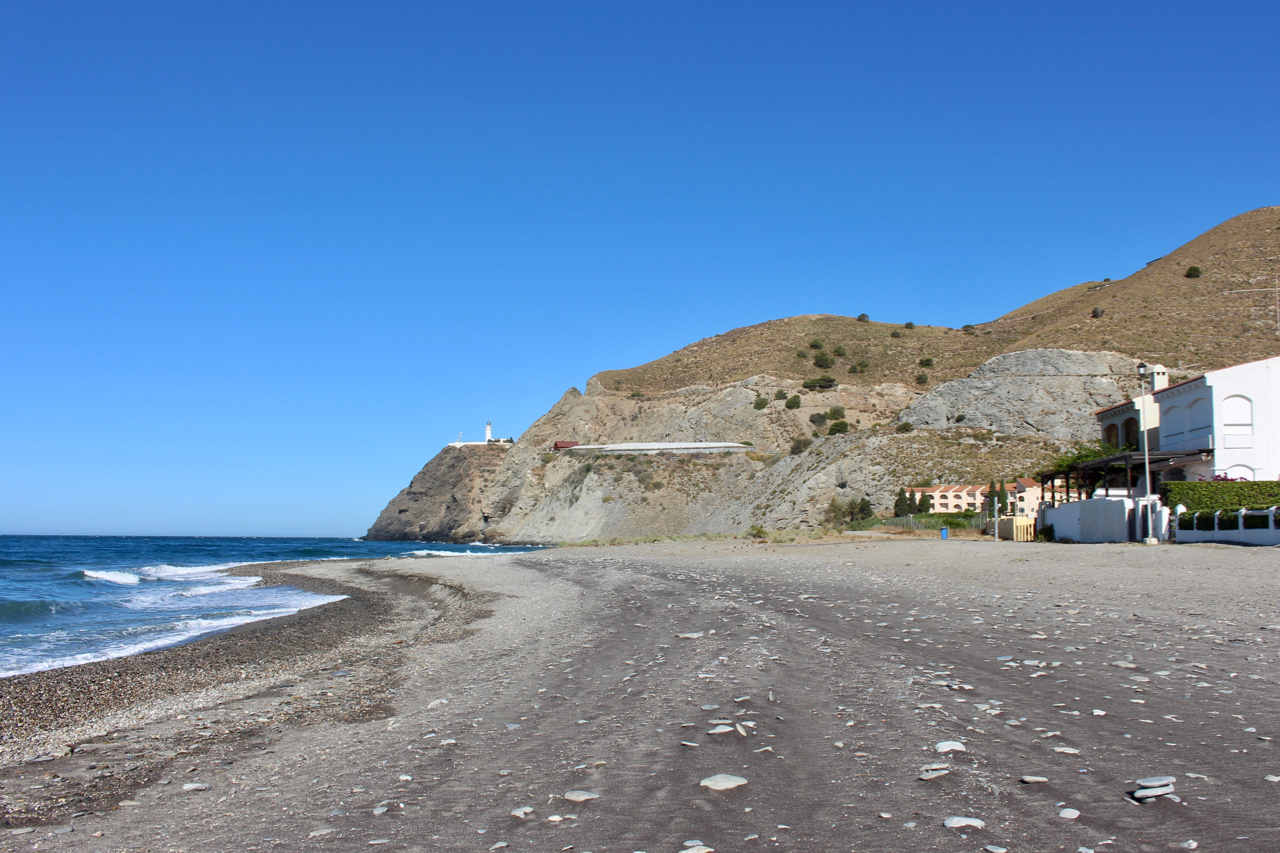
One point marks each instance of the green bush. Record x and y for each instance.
(1186, 521)
(793, 402)
(908, 325)
(895, 334)
(922, 379)
(863, 318)
(838, 428)
(779, 394)
(637, 394)
(1228, 521)
(968, 328)
(755, 531)
(1096, 313)
(822, 383)
(815, 344)
(838, 351)
(853, 368)
(760, 402)
(835, 413)
(926, 362)
(960, 418)
(818, 419)
(1257, 522)
(863, 365)
(800, 445)
(802, 353)
(1211, 495)
(823, 360)
(905, 426)
(1204, 521)
(1193, 272)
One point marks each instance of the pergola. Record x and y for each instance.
(1086, 476)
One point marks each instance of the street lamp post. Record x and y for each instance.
(1150, 538)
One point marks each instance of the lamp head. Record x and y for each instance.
(1142, 368)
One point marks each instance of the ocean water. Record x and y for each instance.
(66, 600)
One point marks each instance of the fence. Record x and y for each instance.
(937, 522)
(1245, 526)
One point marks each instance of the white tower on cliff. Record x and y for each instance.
(488, 431)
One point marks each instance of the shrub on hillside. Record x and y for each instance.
(1193, 272)
(835, 413)
(863, 318)
(905, 426)
(838, 428)
(822, 383)
(760, 402)
(793, 402)
(922, 379)
(895, 334)
(926, 362)
(908, 325)
(960, 418)
(823, 360)
(779, 394)
(1096, 313)
(818, 419)
(838, 351)
(800, 445)
(815, 344)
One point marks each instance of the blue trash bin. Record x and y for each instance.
(943, 532)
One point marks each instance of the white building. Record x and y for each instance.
(1136, 423)
(1233, 412)
(488, 438)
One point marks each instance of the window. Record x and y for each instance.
(1173, 424)
(1200, 416)
(1237, 416)
(1130, 428)
(1237, 472)
(1111, 435)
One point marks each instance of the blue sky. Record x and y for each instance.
(260, 261)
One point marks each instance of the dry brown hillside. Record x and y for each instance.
(1158, 314)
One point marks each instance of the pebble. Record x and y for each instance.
(196, 786)
(1156, 781)
(499, 846)
(701, 848)
(932, 774)
(1034, 780)
(319, 832)
(405, 777)
(1069, 750)
(522, 812)
(580, 796)
(1149, 793)
(692, 635)
(950, 746)
(1189, 844)
(719, 730)
(1069, 814)
(722, 782)
(995, 848)
(380, 810)
(962, 822)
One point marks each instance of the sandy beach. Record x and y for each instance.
(576, 699)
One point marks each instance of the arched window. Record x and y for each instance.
(1199, 416)
(1237, 416)
(1130, 428)
(1237, 472)
(1173, 425)
(1111, 435)
(1176, 475)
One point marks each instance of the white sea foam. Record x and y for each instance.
(170, 635)
(113, 577)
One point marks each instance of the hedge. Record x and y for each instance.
(1213, 495)
(1229, 520)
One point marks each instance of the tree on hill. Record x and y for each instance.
(863, 509)
(926, 502)
(900, 504)
(823, 359)
(912, 505)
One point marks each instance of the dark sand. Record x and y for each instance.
(448, 692)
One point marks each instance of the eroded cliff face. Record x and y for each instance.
(442, 503)
(1021, 409)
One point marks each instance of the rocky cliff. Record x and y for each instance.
(442, 503)
(924, 403)
(1020, 409)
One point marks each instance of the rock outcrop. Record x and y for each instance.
(1020, 410)
(1043, 392)
(443, 503)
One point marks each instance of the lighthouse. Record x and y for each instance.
(488, 431)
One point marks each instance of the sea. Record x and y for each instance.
(67, 600)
